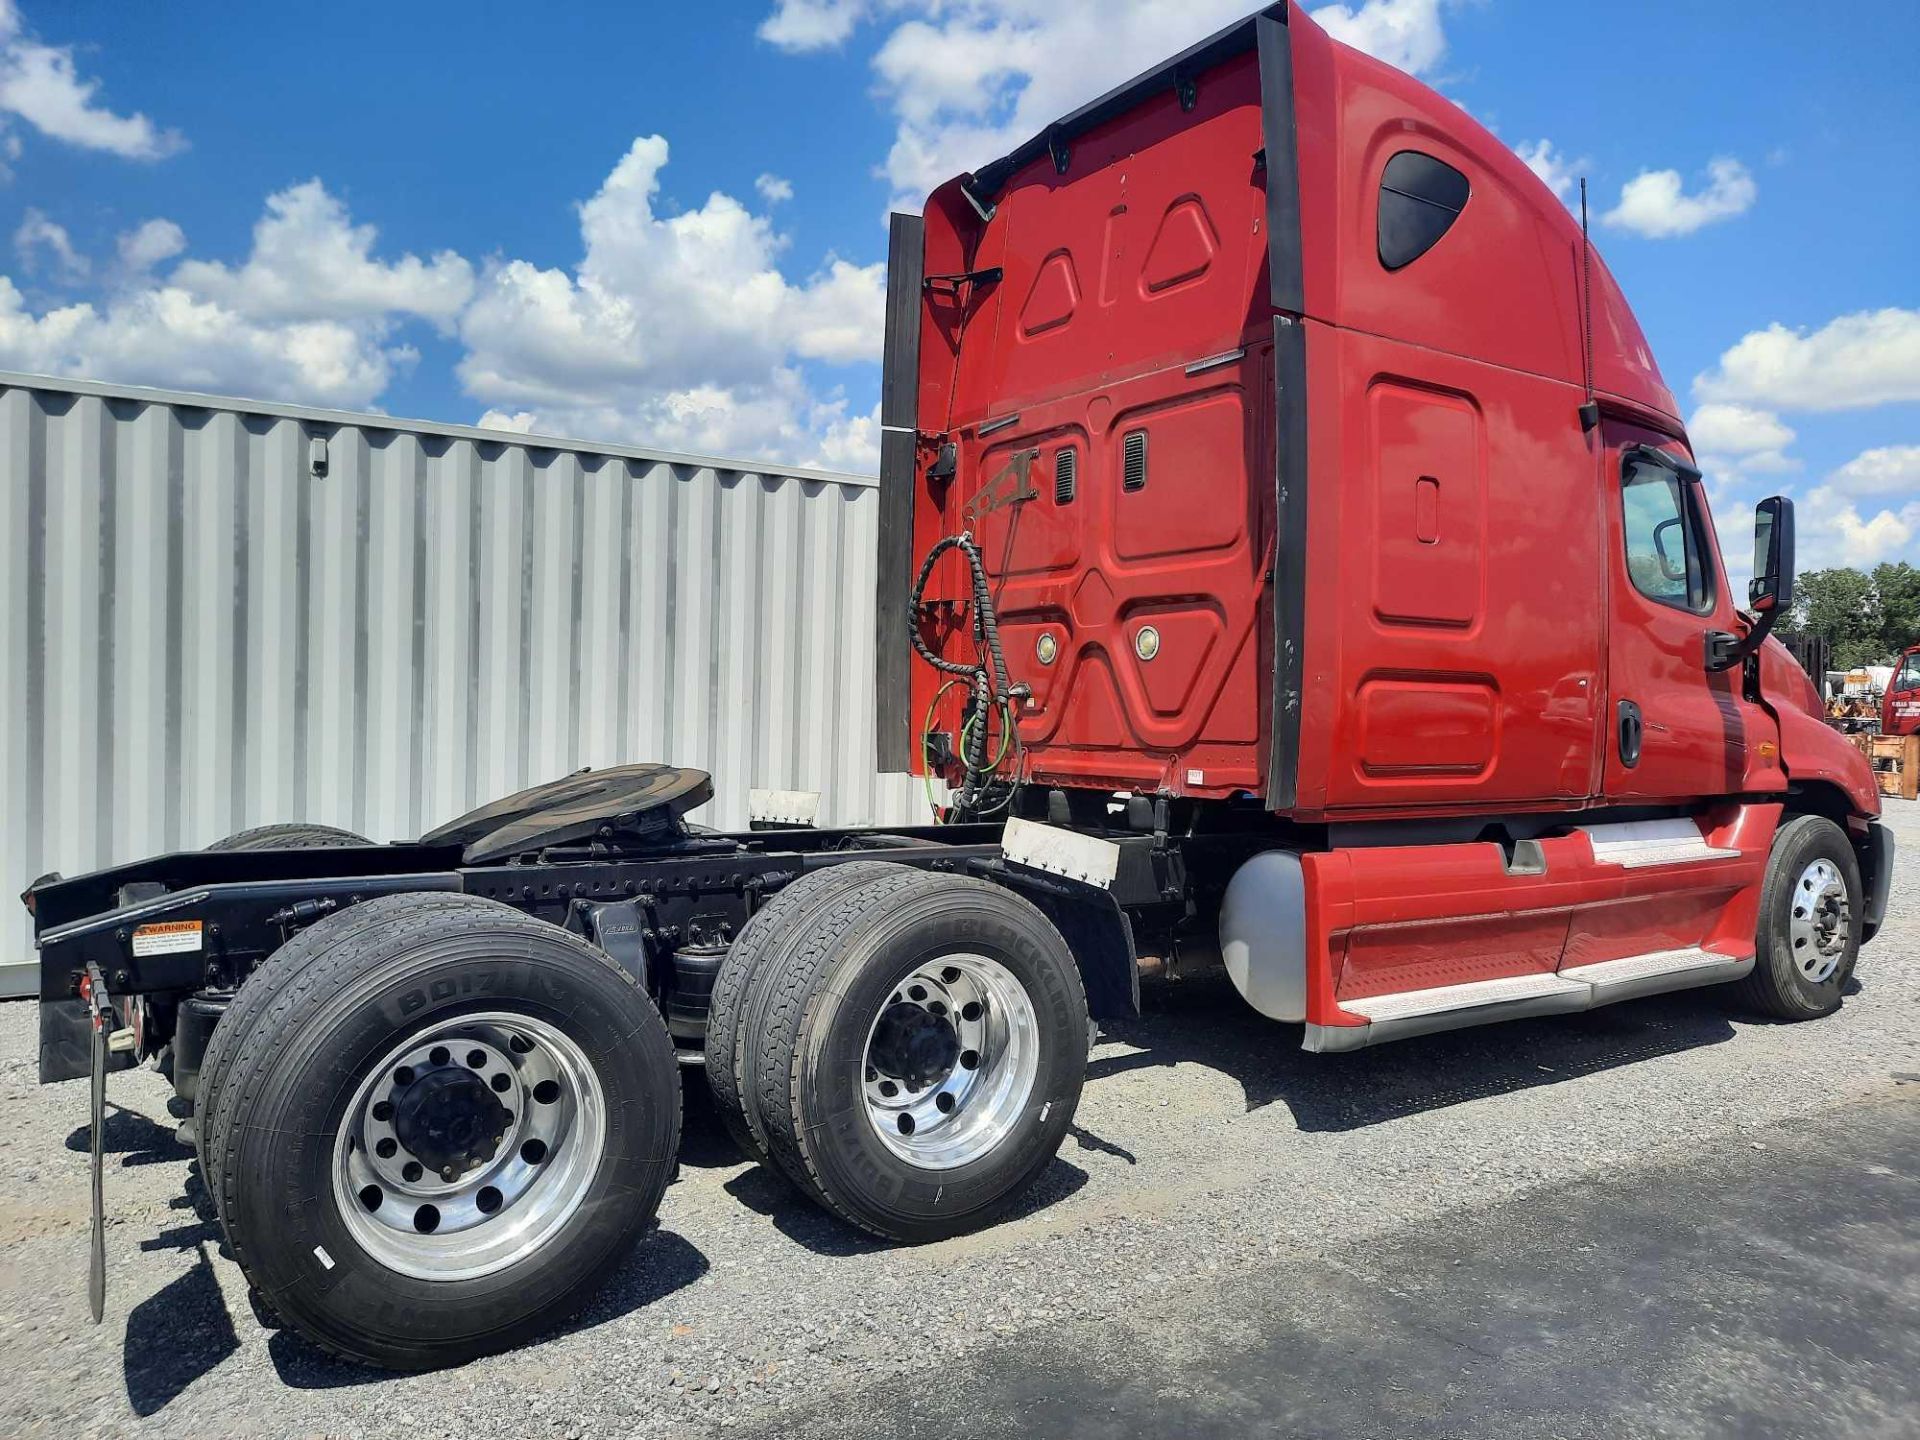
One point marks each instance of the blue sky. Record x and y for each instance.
(664, 224)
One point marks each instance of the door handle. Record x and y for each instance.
(1631, 729)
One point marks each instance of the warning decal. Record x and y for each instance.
(167, 937)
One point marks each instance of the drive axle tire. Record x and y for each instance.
(443, 1132)
(290, 837)
(737, 989)
(268, 978)
(1811, 909)
(921, 1053)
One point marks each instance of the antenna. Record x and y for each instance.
(1590, 408)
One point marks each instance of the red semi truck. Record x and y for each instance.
(1900, 706)
(1289, 550)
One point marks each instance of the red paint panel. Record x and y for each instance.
(1054, 297)
(1420, 577)
(1195, 498)
(1494, 623)
(1419, 727)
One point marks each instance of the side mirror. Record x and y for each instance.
(1771, 588)
(1770, 592)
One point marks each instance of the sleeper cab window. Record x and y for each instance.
(1420, 198)
(1666, 542)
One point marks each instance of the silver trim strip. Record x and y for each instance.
(1225, 357)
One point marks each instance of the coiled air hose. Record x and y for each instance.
(986, 678)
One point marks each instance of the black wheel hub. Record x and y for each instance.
(449, 1120)
(913, 1046)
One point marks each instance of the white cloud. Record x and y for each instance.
(773, 189)
(151, 243)
(40, 84)
(1888, 470)
(166, 336)
(1863, 512)
(1741, 438)
(1831, 531)
(1556, 171)
(1404, 33)
(1723, 429)
(800, 25)
(677, 330)
(520, 422)
(1868, 358)
(309, 315)
(310, 261)
(38, 235)
(967, 80)
(1655, 203)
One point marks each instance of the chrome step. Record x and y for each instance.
(1637, 844)
(1656, 973)
(1514, 997)
(1444, 999)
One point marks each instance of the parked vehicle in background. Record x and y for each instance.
(1290, 554)
(1900, 707)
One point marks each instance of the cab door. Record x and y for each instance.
(1900, 714)
(1675, 730)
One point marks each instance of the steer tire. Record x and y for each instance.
(315, 1067)
(1780, 984)
(813, 1048)
(269, 978)
(290, 837)
(737, 988)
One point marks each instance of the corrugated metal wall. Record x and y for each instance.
(200, 633)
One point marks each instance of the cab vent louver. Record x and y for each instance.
(1065, 468)
(1134, 461)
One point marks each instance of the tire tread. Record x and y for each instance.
(388, 921)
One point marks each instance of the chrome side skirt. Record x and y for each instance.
(1515, 997)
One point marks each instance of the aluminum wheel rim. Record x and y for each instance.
(499, 1207)
(960, 1111)
(1821, 921)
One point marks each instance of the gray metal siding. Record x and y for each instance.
(200, 634)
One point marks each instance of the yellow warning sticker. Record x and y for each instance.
(167, 937)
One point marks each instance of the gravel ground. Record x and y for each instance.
(1206, 1143)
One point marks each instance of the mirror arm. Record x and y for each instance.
(1725, 651)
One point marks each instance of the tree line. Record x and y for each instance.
(1866, 616)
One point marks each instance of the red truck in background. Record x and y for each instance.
(1289, 555)
(1900, 706)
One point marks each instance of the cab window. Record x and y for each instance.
(1665, 536)
(1908, 677)
(1420, 198)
